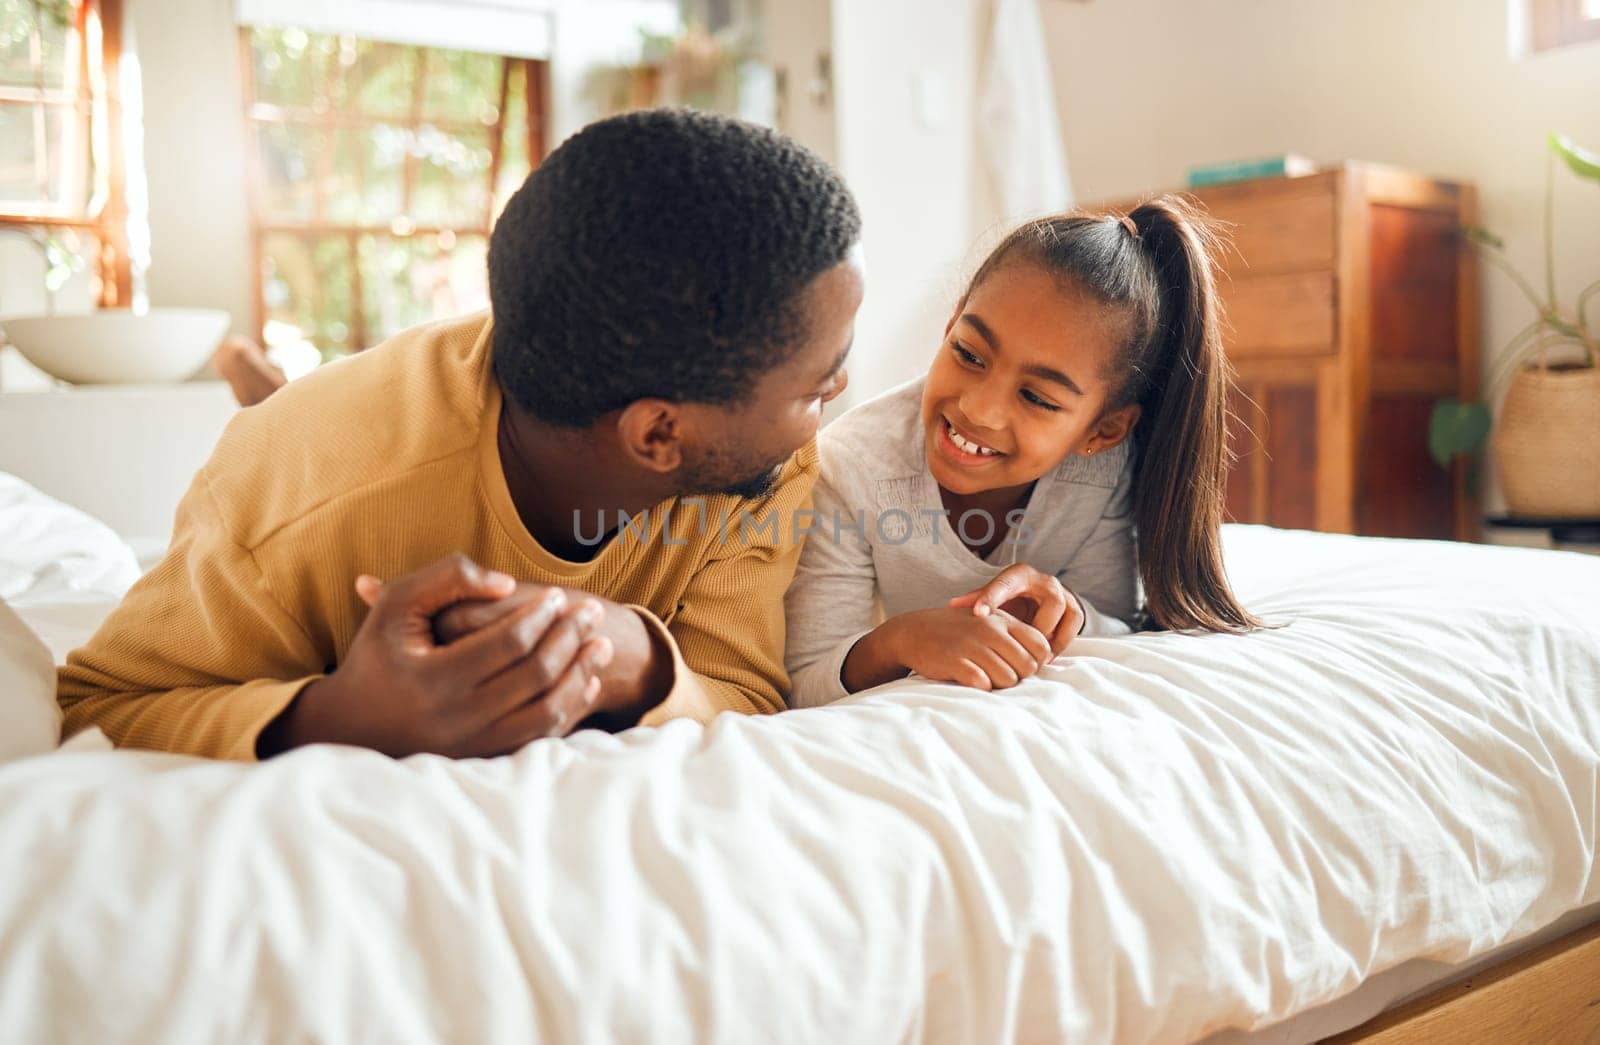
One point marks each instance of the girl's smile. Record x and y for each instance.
(963, 449)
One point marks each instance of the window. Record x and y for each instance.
(1557, 23)
(377, 170)
(61, 178)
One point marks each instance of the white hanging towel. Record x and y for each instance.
(1017, 123)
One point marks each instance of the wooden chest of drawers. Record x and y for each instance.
(1351, 307)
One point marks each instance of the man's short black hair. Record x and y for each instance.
(660, 254)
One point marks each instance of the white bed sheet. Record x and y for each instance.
(1161, 838)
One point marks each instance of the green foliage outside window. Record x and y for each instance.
(376, 182)
(43, 129)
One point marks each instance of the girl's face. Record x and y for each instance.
(1020, 383)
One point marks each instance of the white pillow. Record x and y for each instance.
(30, 720)
(63, 570)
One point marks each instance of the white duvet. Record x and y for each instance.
(1160, 838)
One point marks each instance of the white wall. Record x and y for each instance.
(798, 39)
(914, 178)
(1148, 88)
(194, 145)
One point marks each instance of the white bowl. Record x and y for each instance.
(116, 347)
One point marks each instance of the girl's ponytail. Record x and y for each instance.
(1181, 384)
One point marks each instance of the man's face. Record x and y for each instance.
(745, 445)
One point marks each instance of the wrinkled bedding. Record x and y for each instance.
(1159, 838)
(61, 569)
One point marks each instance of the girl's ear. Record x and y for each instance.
(1111, 429)
(651, 434)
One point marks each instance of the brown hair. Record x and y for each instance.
(1154, 266)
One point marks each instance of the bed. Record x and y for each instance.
(1160, 839)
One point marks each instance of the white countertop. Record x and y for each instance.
(124, 453)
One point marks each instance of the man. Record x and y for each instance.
(673, 296)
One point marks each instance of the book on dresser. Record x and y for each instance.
(1286, 165)
(1350, 308)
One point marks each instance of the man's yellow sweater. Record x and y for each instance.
(381, 464)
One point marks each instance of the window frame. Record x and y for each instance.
(1560, 23)
(257, 115)
(98, 105)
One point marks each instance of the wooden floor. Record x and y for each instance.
(1549, 996)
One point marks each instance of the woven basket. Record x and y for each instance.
(1547, 444)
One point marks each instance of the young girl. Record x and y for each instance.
(1066, 443)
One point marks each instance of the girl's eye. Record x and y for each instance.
(1038, 400)
(966, 357)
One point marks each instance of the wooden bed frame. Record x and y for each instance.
(1548, 996)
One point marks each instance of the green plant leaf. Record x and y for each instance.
(1584, 164)
(1561, 326)
(1456, 428)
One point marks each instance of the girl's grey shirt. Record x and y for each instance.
(882, 544)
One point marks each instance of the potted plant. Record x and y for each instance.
(1547, 438)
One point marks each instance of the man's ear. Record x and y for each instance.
(651, 434)
(1111, 429)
